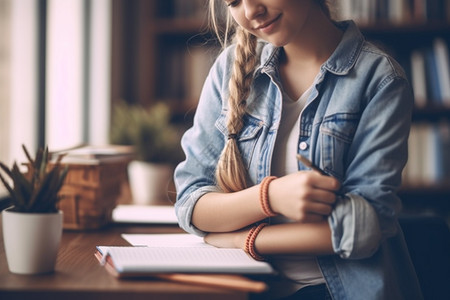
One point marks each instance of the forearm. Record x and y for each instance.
(224, 212)
(303, 196)
(295, 238)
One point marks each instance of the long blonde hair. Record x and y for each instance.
(231, 173)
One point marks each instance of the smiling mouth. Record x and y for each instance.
(267, 24)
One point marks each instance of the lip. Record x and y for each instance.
(267, 26)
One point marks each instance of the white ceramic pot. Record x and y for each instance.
(149, 182)
(31, 241)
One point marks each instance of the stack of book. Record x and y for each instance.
(394, 11)
(429, 158)
(430, 74)
(93, 184)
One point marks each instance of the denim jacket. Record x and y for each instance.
(355, 126)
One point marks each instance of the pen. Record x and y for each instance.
(310, 164)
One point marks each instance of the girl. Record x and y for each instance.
(296, 82)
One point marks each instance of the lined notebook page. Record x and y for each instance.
(184, 259)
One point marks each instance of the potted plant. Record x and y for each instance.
(32, 226)
(157, 148)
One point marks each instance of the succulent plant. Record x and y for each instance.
(35, 191)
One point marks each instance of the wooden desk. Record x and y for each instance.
(78, 274)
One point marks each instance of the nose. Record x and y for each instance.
(253, 9)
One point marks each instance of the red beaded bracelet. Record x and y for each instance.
(250, 241)
(264, 196)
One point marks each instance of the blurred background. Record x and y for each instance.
(65, 66)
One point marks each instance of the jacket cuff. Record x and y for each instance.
(355, 229)
(185, 208)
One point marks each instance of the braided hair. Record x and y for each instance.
(231, 174)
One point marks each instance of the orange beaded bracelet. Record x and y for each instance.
(264, 196)
(250, 241)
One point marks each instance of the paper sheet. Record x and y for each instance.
(146, 214)
(178, 240)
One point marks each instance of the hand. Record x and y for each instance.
(235, 239)
(304, 196)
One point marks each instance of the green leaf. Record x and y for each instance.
(46, 198)
(5, 169)
(43, 164)
(9, 188)
(22, 187)
(38, 192)
(27, 154)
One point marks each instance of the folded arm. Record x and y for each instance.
(306, 198)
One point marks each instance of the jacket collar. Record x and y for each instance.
(339, 63)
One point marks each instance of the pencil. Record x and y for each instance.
(235, 282)
(310, 164)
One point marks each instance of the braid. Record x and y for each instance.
(231, 173)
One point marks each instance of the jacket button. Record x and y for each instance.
(303, 146)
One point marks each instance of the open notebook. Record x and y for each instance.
(168, 253)
(183, 258)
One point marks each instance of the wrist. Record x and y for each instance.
(240, 238)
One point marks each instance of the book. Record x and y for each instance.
(432, 77)
(444, 133)
(418, 78)
(95, 154)
(230, 281)
(182, 252)
(131, 261)
(179, 252)
(441, 53)
(414, 167)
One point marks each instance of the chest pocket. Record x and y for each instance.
(336, 134)
(247, 138)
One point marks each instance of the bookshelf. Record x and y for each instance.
(157, 43)
(162, 51)
(417, 33)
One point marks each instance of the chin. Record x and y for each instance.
(277, 43)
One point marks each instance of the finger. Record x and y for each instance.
(309, 218)
(319, 195)
(207, 238)
(324, 196)
(328, 183)
(313, 218)
(309, 210)
(318, 208)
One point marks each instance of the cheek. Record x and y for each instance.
(240, 18)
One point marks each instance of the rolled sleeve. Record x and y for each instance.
(355, 228)
(184, 209)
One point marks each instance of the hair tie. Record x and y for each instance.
(264, 196)
(232, 136)
(249, 246)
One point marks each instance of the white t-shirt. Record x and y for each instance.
(302, 270)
